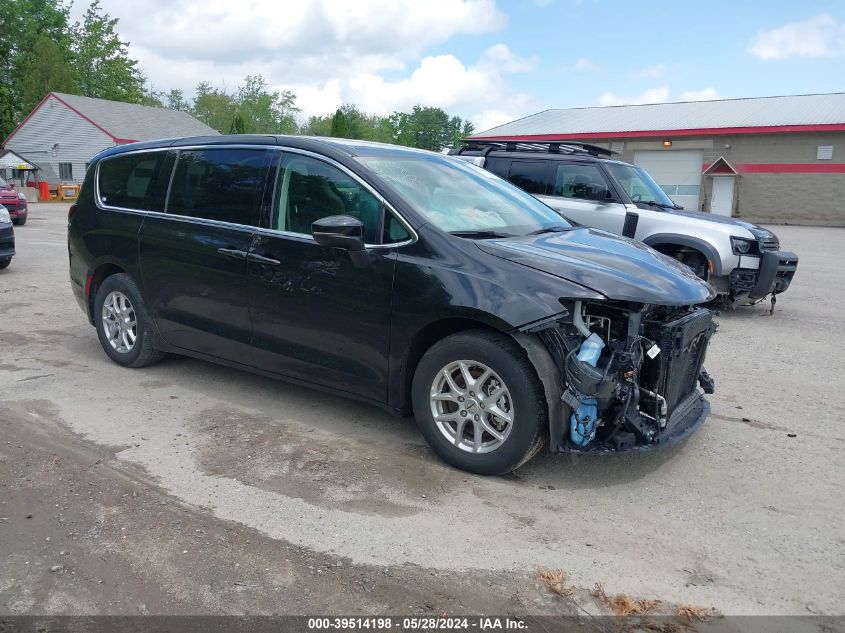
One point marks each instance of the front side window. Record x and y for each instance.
(459, 197)
(639, 186)
(310, 189)
(66, 171)
(220, 184)
(530, 176)
(134, 181)
(581, 181)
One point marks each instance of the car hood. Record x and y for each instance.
(617, 267)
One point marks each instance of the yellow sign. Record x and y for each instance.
(23, 166)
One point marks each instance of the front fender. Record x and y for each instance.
(676, 239)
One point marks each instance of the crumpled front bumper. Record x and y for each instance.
(775, 273)
(685, 420)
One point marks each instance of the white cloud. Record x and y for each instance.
(652, 95)
(368, 52)
(706, 94)
(821, 36)
(653, 72)
(582, 64)
(489, 119)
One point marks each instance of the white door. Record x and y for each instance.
(722, 200)
(677, 171)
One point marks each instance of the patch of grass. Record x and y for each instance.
(689, 613)
(555, 580)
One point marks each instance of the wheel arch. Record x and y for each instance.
(673, 239)
(427, 336)
(101, 272)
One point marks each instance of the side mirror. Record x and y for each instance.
(339, 231)
(342, 231)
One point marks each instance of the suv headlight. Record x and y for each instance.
(741, 246)
(21, 196)
(4, 216)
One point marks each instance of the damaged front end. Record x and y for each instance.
(628, 374)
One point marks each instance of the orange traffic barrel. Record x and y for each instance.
(43, 190)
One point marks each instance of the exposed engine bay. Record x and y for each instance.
(630, 374)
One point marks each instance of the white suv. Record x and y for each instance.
(742, 261)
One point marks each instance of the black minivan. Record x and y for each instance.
(401, 277)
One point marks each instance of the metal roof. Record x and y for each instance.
(134, 122)
(729, 115)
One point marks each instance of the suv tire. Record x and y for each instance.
(4, 263)
(123, 326)
(500, 413)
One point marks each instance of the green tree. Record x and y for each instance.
(175, 100)
(45, 69)
(22, 22)
(214, 107)
(340, 129)
(266, 111)
(102, 61)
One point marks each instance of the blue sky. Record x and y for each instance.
(491, 60)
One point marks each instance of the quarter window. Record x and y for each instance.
(310, 189)
(134, 181)
(220, 184)
(585, 182)
(529, 176)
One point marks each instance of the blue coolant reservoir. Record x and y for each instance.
(582, 424)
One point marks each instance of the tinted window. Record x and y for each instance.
(586, 182)
(394, 231)
(529, 176)
(134, 181)
(310, 189)
(220, 184)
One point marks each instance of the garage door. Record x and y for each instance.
(677, 171)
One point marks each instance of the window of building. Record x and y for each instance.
(576, 180)
(135, 181)
(220, 184)
(824, 152)
(311, 189)
(530, 176)
(65, 171)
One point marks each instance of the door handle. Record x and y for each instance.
(233, 253)
(268, 261)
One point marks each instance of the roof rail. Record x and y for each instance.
(554, 147)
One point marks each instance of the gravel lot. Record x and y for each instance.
(192, 488)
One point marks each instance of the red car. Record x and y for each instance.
(15, 202)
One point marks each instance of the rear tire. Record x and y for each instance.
(478, 402)
(4, 263)
(123, 326)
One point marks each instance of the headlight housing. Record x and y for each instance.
(4, 215)
(21, 196)
(741, 246)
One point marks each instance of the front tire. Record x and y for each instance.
(478, 402)
(123, 326)
(4, 263)
(19, 221)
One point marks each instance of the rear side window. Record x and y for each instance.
(531, 176)
(220, 184)
(134, 181)
(585, 182)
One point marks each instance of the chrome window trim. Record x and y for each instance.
(280, 149)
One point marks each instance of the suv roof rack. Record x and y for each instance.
(553, 147)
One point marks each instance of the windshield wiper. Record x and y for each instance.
(550, 229)
(655, 203)
(481, 235)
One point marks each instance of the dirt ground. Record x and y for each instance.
(191, 488)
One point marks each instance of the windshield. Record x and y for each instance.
(459, 197)
(639, 185)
